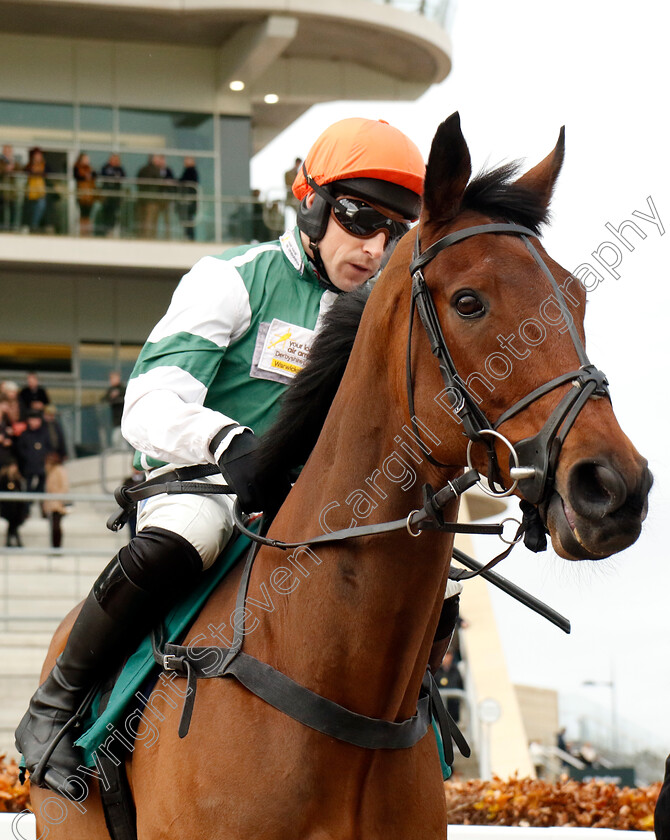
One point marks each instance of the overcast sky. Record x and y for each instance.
(521, 70)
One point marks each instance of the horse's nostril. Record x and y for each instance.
(596, 490)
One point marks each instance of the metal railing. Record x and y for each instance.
(136, 208)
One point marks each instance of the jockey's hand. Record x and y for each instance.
(238, 466)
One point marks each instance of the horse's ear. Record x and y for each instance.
(447, 173)
(541, 179)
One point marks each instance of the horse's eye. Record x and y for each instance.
(468, 305)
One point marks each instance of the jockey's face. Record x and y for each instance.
(349, 260)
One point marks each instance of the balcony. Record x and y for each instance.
(269, 60)
(136, 224)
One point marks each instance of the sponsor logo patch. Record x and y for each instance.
(281, 350)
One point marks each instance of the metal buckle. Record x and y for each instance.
(166, 661)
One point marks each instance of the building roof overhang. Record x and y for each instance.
(301, 51)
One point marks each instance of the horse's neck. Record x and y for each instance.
(362, 617)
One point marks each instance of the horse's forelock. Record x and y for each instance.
(496, 194)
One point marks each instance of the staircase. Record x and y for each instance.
(39, 587)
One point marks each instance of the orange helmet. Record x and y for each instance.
(367, 158)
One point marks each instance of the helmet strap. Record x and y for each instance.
(321, 273)
(319, 190)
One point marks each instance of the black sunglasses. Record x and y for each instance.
(364, 220)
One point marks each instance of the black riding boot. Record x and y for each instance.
(127, 598)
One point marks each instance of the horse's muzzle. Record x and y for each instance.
(597, 515)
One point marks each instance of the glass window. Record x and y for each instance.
(128, 354)
(96, 360)
(36, 122)
(96, 125)
(157, 130)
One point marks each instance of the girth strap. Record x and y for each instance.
(293, 699)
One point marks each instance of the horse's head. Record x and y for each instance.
(511, 335)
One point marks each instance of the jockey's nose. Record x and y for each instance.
(375, 245)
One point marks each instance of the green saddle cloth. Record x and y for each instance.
(142, 662)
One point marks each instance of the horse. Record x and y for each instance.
(354, 621)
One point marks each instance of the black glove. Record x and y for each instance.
(238, 466)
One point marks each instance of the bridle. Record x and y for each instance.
(533, 460)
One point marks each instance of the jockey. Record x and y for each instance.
(209, 379)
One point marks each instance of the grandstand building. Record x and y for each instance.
(215, 80)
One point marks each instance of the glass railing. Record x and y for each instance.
(135, 208)
(437, 10)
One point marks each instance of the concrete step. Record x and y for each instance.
(37, 563)
(19, 661)
(16, 693)
(32, 639)
(53, 586)
(43, 607)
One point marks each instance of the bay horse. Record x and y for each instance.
(354, 621)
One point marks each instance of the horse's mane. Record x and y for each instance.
(305, 404)
(494, 193)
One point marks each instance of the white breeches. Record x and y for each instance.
(205, 521)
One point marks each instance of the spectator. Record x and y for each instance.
(55, 430)
(560, 740)
(32, 396)
(55, 509)
(188, 205)
(35, 203)
(56, 213)
(6, 434)
(448, 675)
(85, 177)
(16, 513)
(111, 176)
(274, 219)
(289, 178)
(32, 446)
(168, 187)
(7, 189)
(148, 202)
(562, 745)
(114, 396)
(10, 392)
